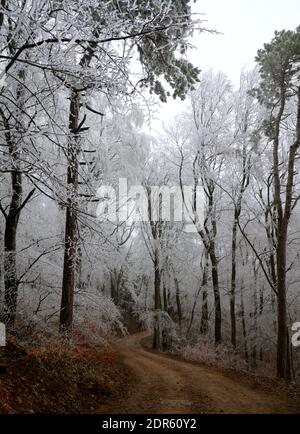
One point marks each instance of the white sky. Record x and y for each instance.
(245, 26)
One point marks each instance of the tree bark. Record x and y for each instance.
(71, 229)
(165, 295)
(204, 313)
(280, 249)
(157, 304)
(16, 205)
(244, 330)
(10, 235)
(71, 226)
(283, 218)
(178, 302)
(233, 280)
(216, 290)
(282, 330)
(237, 212)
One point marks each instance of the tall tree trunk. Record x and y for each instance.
(11, 226)
(216, 290)
(283, 344)
(71, 229)
(282, 330)
(261, 309)
(11, 282)
(10, 234)
(202, 287)
(112, 287)
(237, 212)
(233, 280)
(165, 294)
(214, 266)
(280, 249)
(244, 330)
(254, 324)
(204, 313)
(157, 304)
(283, 218)
(178, 302)
(13, 215)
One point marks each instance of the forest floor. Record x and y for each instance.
(129, 378)
(52, 379)
(164, 384)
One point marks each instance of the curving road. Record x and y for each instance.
(167, 385)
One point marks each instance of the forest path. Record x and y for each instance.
(166, 385)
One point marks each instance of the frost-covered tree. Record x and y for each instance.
(279, 68)
(93, 54)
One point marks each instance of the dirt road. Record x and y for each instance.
(167, 385)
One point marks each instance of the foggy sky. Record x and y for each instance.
(245, 26)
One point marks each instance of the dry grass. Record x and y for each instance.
(57, 378)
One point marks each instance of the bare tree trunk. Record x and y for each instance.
(214, 265)
(236, 216)
(216, 290)
(283, 218)
(165, 295)
(3, 6)
(178, 302)
(15, 206)
(204, 317)
(233, 280)
(282, 330)
(261, 309)
(204, 313)
(280, 250)
(157, 304)
(10, 273)
(254, 326)
(11, 282)
(244, 330)
(11, 226)
(71, 229)
(112, 287)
